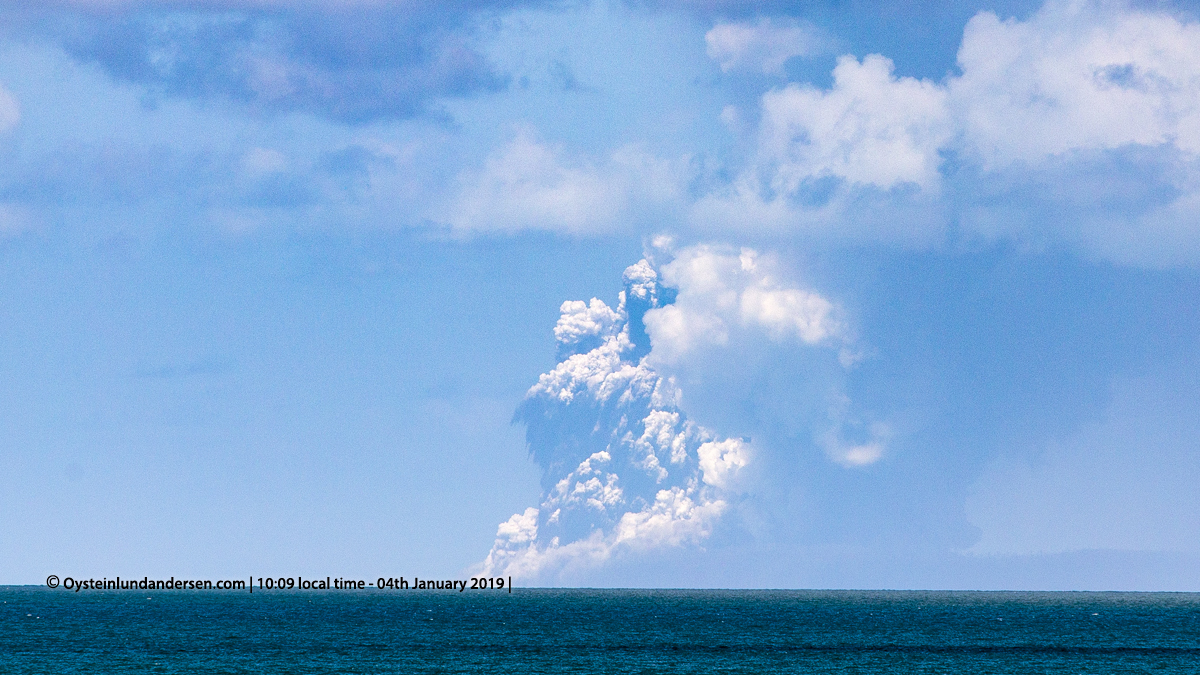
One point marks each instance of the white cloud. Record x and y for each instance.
(666, 433)
(528, 185)
(721, 461)
(515, 538)
(784, 312)
(624, 467)
(1077, 76)
(579, 320)
(1072, 102)
(871, 128)
(720, 291)
(623, 463)
(764, 46)
(676, 332)
(642, 281)
(525, 186)
(855, 454)
(735, 313)
(675, 518)
(598, 374)
(520, 529)
(584, 485)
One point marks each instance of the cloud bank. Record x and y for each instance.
(1074, 127)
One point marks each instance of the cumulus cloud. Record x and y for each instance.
(1084, 121)
(722, 461)
(741, 335)
(1077, 76)
(763, 46)
(1080, 96)
(528, 184)
(673, 519)
(625, 469)
(871, 127)
(583, 326)
(720, 291)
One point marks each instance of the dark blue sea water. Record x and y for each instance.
(597, 631)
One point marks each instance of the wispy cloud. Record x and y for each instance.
(764, 46)
(352, 62)
(527, 184)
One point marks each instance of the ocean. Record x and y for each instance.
(596, 631)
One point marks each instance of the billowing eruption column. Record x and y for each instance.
(622, 467)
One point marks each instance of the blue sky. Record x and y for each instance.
(598, 293)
